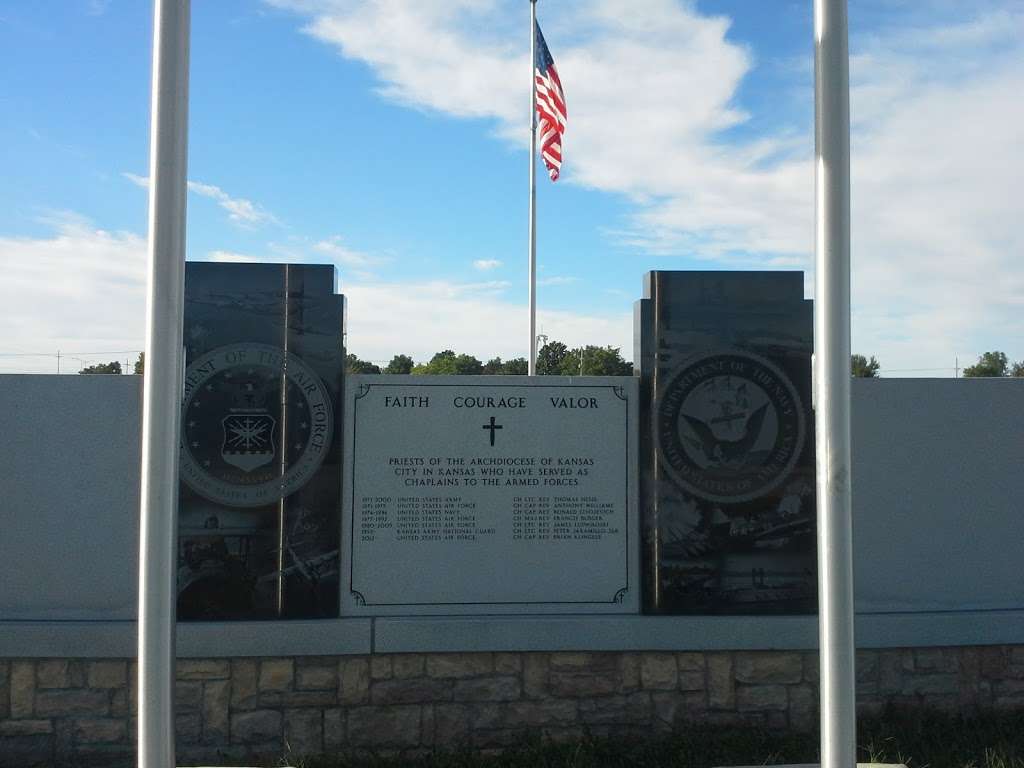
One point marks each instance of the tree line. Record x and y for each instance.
(556, 359)
(553, 359)
(989, 365)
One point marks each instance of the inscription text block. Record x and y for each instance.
(470, 495)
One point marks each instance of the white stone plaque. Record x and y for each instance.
(490, 494)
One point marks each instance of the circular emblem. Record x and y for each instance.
(256, 423)
(730, 426)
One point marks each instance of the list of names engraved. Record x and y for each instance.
(465, 496)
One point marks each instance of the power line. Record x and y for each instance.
(68, 354)
(910, 370)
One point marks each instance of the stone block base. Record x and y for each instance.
(62, 711)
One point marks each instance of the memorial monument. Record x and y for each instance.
(485, 495)
(260, 496)
(727, 443)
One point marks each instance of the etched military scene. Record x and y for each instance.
(729, 502)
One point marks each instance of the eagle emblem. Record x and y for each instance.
(730, 426)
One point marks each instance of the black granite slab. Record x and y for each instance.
(260, 493)
(727, 442)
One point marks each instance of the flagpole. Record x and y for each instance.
(162, 383)
(832, 384)
(533, 189)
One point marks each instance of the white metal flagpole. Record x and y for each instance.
(533, 189)
(162, 384)
(832, 383)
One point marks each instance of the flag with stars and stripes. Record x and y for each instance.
(550, 106)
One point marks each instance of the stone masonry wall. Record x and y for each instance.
(68, 711)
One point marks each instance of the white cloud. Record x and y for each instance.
(485, 264)
(240, 210)
(650, 87)
(936, 180)
(230, 257)
(139, 181)
(938, 123)
(103, 307)
(419, 319)
(557, 280)
(345, 256)
(416, 318)
(79, 289)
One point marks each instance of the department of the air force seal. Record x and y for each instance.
(730, 426)
(256, 423)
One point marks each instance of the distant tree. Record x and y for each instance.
(447, 363)
(113, 367)
(990, 364)
(605, 361)
(441, 364)
(517, 366)
(140, 364)
(595, 361)
(1018, 369)
(354, 365)
(467, 365)
(550, 358)
(493, 367)
(862, 368)
(400, 364)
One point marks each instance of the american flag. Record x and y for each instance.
(550, 106)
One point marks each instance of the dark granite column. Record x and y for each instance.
(727, 442)
(260, 495)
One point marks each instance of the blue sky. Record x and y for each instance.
(389, 138)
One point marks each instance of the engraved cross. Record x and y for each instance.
(492, 426)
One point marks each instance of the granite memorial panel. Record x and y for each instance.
(260, 495)
(727, 436)
(496, 494)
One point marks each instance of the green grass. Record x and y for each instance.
(928, 741)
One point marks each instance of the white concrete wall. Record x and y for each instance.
(69, 496)
(938, 482)
(938, 494)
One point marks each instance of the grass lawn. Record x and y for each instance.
(929, 741)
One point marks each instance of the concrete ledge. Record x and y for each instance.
(117, 639)
(908, 630)
(594, 633)
(337, 637)
(328, 637)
